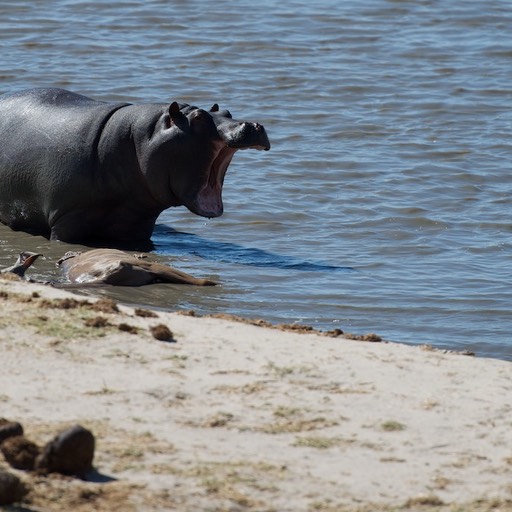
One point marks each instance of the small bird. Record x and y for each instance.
(25, 259)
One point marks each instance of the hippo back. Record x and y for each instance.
(48, 139)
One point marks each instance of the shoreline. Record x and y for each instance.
(236, 416)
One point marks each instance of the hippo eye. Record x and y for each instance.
(199, 115)
(226, 113)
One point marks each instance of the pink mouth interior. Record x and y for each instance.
(209, 198)
(209, 201)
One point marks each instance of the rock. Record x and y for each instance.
(162, 333)
(12, 488)
(9, 429)
(20, 452)
(71, 452)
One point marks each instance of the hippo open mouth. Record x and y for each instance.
(208, 202)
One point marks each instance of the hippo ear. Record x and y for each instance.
(215, 108)
(174, 109)
(175, 115)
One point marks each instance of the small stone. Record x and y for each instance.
(12, 488)
(128, 328)
(20, 452)
(145, 313)
(162, 332)
(9, 429)
(71, 453)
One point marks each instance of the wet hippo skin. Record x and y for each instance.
(79, 170)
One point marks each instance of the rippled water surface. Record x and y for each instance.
(385, 204)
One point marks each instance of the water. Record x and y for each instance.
(385, 204)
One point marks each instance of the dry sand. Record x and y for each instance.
(232, 416)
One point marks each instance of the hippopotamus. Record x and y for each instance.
(80, 170)
(118, 268)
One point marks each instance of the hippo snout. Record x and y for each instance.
(248, 135)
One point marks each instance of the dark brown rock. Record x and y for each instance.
(20, 452)
(162, 332)
(9, 429)
(71, 452)
(12, 488)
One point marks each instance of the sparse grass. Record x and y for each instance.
(441, 482)
(286, 412)
(105, 390)
(239, 482)
(247, 389)
(294, 425)
(221, 419)
(421, 501)
(293, 420)
(69, 324)
(280, 371)
(392, 426)
(429, 404)
(338, 389)
(318, 442)
(129, 451)
(417, 504)
(224, 490)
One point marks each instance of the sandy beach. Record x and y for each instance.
(231, 416)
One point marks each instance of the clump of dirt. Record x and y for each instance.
(66, 303)
(334, 333)
(234, 318)
(162, 333)
(128, 328)
(105, 305)
(97, 321)
(298, 328)
(20, 452)
(372, 337)
(145, 313)
(295, 328)
(52, 493)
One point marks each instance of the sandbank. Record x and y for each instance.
(234, 416)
